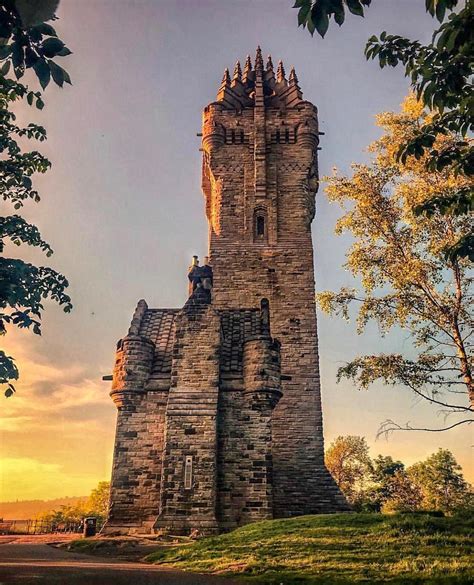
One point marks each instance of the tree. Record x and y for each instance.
(95, 505)
(384, 469)
(407, 280)
(349, 463)
(26, 42)
(441, 482)
(98, 502)
(441, 75)
(403, 494)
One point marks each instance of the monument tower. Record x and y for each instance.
(219, 420)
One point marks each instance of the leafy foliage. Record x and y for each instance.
(440, 480)
(316, 14)
(98, 503)
(441, 75)
(349, 463)
(382, 484)
(407, 280)
(23, 286)
(95, 505)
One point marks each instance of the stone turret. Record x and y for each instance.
(133, 363)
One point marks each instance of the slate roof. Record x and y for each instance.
(236, 326)
(159, 325)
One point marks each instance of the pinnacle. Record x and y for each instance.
(237, 71)
(247, 68)
(269, 63)
(280, 72)
(259, 59)
(293, 79)
(226, 77)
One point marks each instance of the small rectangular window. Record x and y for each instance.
(188, 472)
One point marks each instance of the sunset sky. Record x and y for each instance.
(122, 209)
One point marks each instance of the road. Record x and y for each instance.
(38, 563)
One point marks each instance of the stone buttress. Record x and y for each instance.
(219, 407)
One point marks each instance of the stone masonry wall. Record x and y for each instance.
(278, 267)
(136, 472)
(191, 423)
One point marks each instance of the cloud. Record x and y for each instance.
(56, 432)
(27, 478)
(48, 394)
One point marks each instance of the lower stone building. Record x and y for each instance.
(219, 409)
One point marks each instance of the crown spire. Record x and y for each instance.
(293, 79)
(247, 69)
(226, 77)
(259, 60)
(259, 84)
(237, 71)
(280, 72)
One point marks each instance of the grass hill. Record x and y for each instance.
(339, 549)
(26, 509)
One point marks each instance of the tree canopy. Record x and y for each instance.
(407, 280)
(25, 44)
(440, 74)
(383, 484)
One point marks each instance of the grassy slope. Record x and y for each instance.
(337, 549)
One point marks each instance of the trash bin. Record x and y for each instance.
(90, 526)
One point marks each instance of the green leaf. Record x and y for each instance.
(5, 68)
(320, 17)
(30, 97)
(18, 55)
(440, 11)
(303, 13)
(43, 73)
(355, 7)
(339, 13)
(45, 29)
(52, 46)
(57, 73)
(5, 51)
(64, 52)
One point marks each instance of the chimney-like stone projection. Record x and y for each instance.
(219, 405)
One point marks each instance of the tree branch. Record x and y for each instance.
(389, 426)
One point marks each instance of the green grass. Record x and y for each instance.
(336, 549)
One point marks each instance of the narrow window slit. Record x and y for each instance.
(188, 472)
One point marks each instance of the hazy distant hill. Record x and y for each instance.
(23, 510)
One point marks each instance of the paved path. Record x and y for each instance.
(40, 564)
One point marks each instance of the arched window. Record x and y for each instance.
(265, 316)
(260, 225)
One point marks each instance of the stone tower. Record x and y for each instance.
(219, 420)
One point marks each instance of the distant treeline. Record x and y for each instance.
(26, 509)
